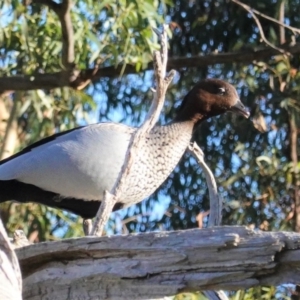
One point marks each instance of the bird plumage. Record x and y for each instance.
(72, 170)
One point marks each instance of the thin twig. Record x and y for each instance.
(162, 83)
(87, 226)
(263, 37)
(80, 82)
(261, 31)
(250, 9)
(281, 20)
(215, 217)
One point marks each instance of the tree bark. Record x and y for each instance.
(78, 78)
(10, 137)
(10, 276)
(155, 265)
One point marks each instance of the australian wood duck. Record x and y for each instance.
(71, 170)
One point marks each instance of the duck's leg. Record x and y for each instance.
(107, 205)
(87, 226)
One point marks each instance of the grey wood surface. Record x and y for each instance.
(10, 276)
(156, 265)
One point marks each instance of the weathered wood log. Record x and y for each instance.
(153, 265)
(10, 276)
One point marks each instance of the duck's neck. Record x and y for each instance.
(187, 116)
(191, 110)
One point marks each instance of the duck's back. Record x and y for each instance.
(74, 164)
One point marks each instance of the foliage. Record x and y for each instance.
(256, 172)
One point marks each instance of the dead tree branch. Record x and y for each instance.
(10, 275)
(261, 31)
(215, 215)
(153, 265)
(162, 83)
(279, 22)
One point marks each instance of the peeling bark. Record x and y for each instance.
(10, 276)
(155, 265)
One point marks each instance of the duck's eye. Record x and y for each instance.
(221, 91)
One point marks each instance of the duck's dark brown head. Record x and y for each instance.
(208, 98)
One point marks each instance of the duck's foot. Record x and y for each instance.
(87, 225)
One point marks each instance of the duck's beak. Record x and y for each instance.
(240, 109)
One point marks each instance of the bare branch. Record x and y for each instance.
(105, 209)
(63, 12)
(161, 263)
(293, 153)
(162, 83)
(68, 56)
(215, 215)
(10, 136)
(261, 31)
(252, 10)
(10, 275)
(79, 79)
(20, 239)
(281, 20)
(87, 226)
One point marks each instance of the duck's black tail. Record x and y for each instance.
(23, 192)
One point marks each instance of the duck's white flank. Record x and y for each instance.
(85, 162)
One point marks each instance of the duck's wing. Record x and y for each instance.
(78, 164)
(37, 144)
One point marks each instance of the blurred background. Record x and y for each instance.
(255, 161)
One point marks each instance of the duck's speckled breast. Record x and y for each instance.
(163, 148)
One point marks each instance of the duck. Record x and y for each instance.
(71, 170)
